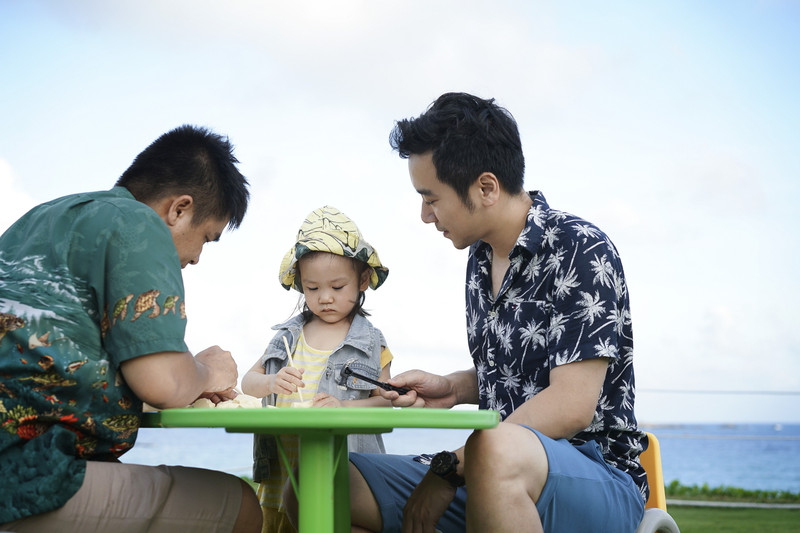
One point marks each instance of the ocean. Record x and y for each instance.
(749, 456)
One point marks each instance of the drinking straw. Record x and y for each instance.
(291, 363)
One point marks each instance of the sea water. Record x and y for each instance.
(749, 456)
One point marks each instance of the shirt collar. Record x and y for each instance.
(359, 335)
(122, 192)
(532, 235)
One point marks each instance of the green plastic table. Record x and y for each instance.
(324, 483)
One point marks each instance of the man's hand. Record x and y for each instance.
(221, 368)
(221, 396)
(427, 504)
(427, 390)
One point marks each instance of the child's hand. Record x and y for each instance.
(288, 379)
(326, 400)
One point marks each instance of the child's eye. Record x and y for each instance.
(338, 288)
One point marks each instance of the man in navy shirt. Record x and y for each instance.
(549, 331)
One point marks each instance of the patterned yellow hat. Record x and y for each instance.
(329, 230)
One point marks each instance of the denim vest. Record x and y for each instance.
(360, 350)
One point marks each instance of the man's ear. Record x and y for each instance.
(489, 188)
(174, 208)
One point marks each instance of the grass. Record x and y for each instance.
(733, 520)
(715, 519)
(728, 520)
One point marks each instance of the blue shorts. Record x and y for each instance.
(582, 492)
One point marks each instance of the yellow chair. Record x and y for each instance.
(656, 519)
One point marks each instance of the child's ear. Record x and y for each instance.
(364, 283)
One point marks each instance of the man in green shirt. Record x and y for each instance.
(92, 322)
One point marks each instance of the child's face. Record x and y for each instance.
(331, 285)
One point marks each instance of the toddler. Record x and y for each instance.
(331, 265)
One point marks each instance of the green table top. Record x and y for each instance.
(334, 420)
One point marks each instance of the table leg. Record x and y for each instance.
(341, 485)
(315, 500)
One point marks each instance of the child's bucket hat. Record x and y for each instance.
(329, 230)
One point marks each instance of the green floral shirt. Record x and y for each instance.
(87, 282)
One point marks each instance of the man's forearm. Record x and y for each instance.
(465, 385)
(168, 379)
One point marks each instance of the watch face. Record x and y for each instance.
(442, 463)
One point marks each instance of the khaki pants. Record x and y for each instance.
(126, 498)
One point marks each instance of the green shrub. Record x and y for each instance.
(679, 491)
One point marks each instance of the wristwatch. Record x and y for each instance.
(443, 465)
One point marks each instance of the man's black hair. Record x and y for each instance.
(195, 161)
(467, 136)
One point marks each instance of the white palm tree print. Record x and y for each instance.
(533, 335)
(603, 271)
(563, 299)
(591, 306)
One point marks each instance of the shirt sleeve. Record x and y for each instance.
(588, 303)
(386, 356)
(136, 277)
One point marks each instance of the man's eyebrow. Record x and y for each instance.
(425, 192)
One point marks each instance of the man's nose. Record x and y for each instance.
(427, 215)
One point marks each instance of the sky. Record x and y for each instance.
(673, 126)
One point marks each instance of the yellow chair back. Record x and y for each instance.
(651, 461)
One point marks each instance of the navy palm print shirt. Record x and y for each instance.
(563, 299)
